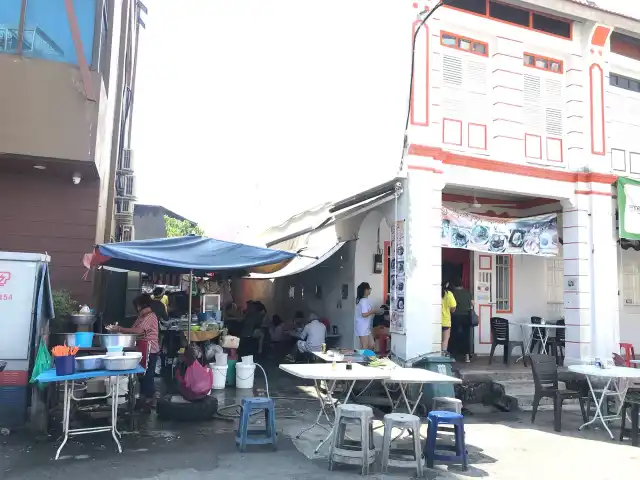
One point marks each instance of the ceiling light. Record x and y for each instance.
(39, 167)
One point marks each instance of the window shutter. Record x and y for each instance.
(543, 109)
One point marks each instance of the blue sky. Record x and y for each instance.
(250, 111)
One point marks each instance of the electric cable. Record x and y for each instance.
(413, 61)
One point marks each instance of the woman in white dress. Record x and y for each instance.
(364, 315)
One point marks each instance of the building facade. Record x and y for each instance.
(518, 109)
(68, 76)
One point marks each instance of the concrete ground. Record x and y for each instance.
(501, 446)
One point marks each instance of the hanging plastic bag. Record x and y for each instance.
(42, 363)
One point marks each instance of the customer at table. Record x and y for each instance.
(363, 316)
(276, 330)
(381, 323)
(313, 335)
(460, 342)
(146, 328)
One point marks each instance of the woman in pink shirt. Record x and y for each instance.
(146, 327)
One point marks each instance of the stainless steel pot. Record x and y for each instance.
(82, 319)
(92, 362)
(117, 340)
(68, 339)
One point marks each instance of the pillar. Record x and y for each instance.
(590, 275)
(420, 206)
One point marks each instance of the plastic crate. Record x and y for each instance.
(13, 406)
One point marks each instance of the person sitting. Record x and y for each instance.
(276, 330)
(381, 324)
(313, 335)
(250, 324)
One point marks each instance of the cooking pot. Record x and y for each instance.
(117, 340)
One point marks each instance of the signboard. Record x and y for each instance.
(398, 279)
(628, 208)
(509, 236)
(17, 290)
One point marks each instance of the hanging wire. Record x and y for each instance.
(405, 144)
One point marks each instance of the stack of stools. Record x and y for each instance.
(404, 421)
(438, 418)
(448, 404)
(244, 436)
(362, 453)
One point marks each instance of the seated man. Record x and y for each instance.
(381, 324)
(313, 335)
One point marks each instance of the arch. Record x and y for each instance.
(366, 247)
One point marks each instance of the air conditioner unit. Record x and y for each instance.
(128, 185)
(126, 160)
(124, 208)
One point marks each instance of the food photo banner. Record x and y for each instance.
(510, 236)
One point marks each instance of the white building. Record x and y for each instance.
(518, 109)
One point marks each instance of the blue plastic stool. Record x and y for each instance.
(437, 418)
(244, 436)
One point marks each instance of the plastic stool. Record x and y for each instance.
(404, 421)
(244, 436)
(629, 354)
(448, 404)
(437, 418)
(351, 414)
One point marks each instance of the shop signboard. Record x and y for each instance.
(629, 208)
(509, 236)
(398, 280)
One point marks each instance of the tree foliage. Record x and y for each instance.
(180, 228)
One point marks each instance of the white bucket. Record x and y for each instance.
(221, 359)
(248, 360)
(122, 386)
(244, 374)
(219, 376)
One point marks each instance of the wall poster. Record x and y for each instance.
(397, 301)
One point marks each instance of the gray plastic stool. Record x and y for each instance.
(447, 404)
(404, 421)
(352, 414)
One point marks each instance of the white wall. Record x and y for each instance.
(366, 247)
(629, 315)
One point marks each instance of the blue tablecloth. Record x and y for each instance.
(50, 375)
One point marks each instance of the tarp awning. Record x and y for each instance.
(312, 249)
(200, 255)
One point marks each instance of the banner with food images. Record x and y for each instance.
(397, 274)
(510, 236)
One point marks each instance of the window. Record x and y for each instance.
(9, 25)
(515, 15)
(504, 284)
(631, 284)
(625, 45)
(475, 6)
(543, 63)
(465, 44)
(507, 13)
(624, 82)
(555, 281)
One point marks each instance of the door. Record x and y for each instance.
(484, 296)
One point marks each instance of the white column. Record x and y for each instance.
(591, 278)
(421, 206)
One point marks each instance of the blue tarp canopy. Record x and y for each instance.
(200, 255)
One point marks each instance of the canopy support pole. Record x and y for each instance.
(190, 300)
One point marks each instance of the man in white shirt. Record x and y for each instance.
(313, 335)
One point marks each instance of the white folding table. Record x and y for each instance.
(354, 358)
(528, 337)
(332, 374)
(610, 388)
(406, 376)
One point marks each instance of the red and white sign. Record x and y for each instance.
(4, 278)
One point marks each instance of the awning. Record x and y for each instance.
(312, 249)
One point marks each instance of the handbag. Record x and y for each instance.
(474, 318)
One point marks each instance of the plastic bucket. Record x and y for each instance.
(248, 360)
(219, 376)
(67, 365)
(84, 339)
(221, 359)
(244, 375)
(231, 372)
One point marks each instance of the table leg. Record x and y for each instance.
(598, 402)
(66, 407)
(529, 338)
(114, 413)
(335, 411)
(323, 402)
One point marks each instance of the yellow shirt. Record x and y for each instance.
(448, 302)
(164, 300)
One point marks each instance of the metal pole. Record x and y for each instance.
(190, 296)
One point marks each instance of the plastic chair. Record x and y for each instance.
(632, 402)
(359, 453)
(560, 343)
(545, 378)
(628, 353)
(404, 421)
(500, 336)
(437, 419)
(244, 436)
